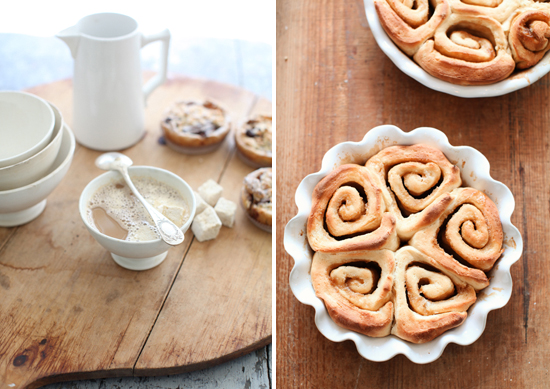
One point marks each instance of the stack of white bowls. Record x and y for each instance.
(36, 150)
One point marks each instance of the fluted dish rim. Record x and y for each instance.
(495, 296)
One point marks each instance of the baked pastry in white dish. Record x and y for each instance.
(399, 246)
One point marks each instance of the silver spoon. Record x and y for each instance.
(168, 231)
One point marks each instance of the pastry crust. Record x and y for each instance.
(471, 228)
(500, 10)
(254, 139)
(195, 125)
(467, 50)
(404, 173)
(408, 34)
(351, 223)
(529, 33)
(429, 300)
(363, 213)
(256, 195)
(357, 297)
(468, 42)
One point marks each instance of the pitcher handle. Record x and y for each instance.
(160, 77)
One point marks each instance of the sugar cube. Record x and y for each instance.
(225, 209)
(206, 225)
(175, 214)
(200, 204)
(210, 192)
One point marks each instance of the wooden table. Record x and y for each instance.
(333, 85)
(67, 311)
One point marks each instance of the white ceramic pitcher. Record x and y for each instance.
(109, 95)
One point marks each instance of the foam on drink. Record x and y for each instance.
(114, 210)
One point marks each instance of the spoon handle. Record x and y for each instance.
(169, 232)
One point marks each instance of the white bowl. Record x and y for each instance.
(26, 127)
(35, 167)
(136, 255)
(412, 69)
(475, 173)
(21, 205)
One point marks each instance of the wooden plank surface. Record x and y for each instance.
(333, 85)
(203, 295)
(67, 311)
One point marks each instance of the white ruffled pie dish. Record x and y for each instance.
(475, 173)
(412, 69)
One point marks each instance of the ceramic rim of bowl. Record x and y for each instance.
(38, 145)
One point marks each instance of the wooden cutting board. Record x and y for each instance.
(67, 311)
(333, 85)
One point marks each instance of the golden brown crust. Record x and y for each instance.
(500, 10)
(357, 297)
(454, 236)
(472, 230)
(429, 300)
(528, 37)
(351, 224)
(404, 173)
(468, 42)
(467, 50)
(253, 140)
(256, 195)
(409, 34)
(173, 123)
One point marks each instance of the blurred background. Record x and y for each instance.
(231, 42)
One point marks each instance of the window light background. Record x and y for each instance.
(227, 41)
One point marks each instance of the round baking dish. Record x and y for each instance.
(475, 173)
(517, 81)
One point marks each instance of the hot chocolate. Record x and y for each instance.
(115, 211)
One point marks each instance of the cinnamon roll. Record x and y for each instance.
(413, 180)
(500, 10)
(356, 289)
(467, 50)
(348, 213)
(529, 33)
(467, 237)
(408, 198)
(429, 299)
(409, 23)
(468, 42)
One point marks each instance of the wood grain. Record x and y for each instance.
(67, 311)
(201, 298)
(333, 85)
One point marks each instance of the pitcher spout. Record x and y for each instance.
(71, 36)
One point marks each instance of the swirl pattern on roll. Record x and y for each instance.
(413, 180)
(500, 10)
(356, 293)
(429, 299)
(468, 42)
(471, 234)
(528, 37)
(348, 213)
(467, 50)
(411, 20)
(408, 198)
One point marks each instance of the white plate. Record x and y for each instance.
(410, 68)
(475, 173)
